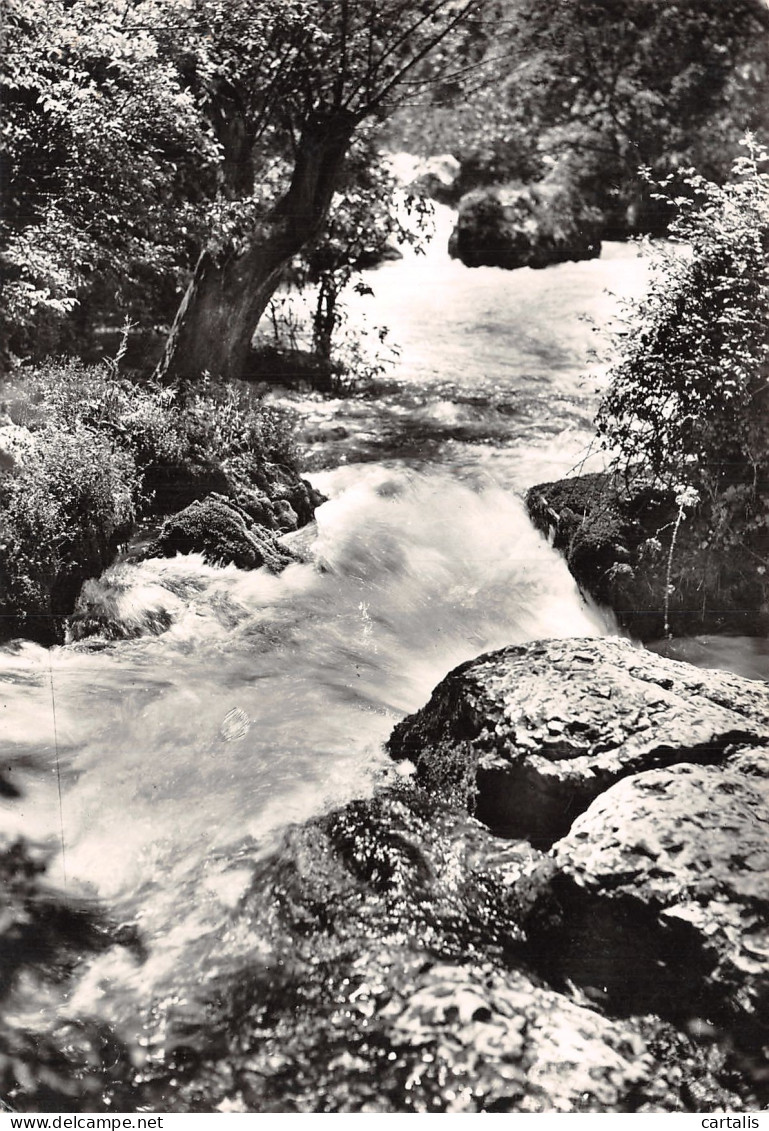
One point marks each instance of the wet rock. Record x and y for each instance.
(533, 226)
(616, 538)
(110, 608)
(272, 494)
(292, 501)
(172, 486)
(659, 897)
(532, 734)
(508, 1044)
(59, 1064)
(383, 973)
(224, 534)
(437, 177)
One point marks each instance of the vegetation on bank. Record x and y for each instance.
(675, 538)
(88, 453)
(689, 391)
(687, 409)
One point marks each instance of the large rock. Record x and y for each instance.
(514, 227)
(273, 495)
(380, 974)
(660, 897)
(616, 538)
(539, 730)
(223, 533)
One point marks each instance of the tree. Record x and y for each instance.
(315, 70)
(107, 168)
(361, 225)
(141, 136)
(621, 84)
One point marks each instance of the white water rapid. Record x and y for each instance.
(268, 699)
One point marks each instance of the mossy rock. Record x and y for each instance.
(386, 976)
(617, 538)
(224, 534)
(531, 226)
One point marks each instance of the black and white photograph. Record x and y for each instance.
(384, 559)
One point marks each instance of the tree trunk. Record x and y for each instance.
(228, 294)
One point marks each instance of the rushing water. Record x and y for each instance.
(268, 698)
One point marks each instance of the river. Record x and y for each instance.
(269, 698)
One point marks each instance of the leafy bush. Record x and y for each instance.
(62, 511)
(229, 420)
(688, 404)
(91, 452)
(211, 421)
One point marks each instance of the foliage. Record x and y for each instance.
(150, 423)
(225, 421)
(653, 79)
(367, 214)
(137, 133)
(596, 88)
(106, 159)
(81, 461)
(370, 217)
(688, 403)
(67, 501)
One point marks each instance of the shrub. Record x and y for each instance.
(62, 513)
(688, 402)
(212, 421)
(97, 449)
(230, 419)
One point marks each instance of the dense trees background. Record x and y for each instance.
(149, 141)
(590, 91)
(149, 145)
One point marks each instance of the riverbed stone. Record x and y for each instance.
(272, 494)
(383, 971)
(617, 539)
(659, 897)
(531, 226)
(220, 530)
(533, 733)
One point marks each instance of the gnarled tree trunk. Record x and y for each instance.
(228, 293)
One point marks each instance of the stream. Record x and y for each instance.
(268, 699)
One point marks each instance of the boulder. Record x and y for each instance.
(616, 538)
(114, 607)
(274, 495)
(16, 443)
(380, 974)
(532, 226)
(217, 528)
(530, 735)
(437, 177)
(659, 898)
(172, 486)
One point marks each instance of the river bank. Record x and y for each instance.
(267, 698)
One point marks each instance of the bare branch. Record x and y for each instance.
(428, 46)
